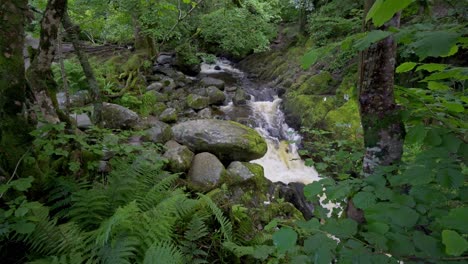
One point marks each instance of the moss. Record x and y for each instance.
(345, 121)
(310, 110)
(254, 141)
(319, 84)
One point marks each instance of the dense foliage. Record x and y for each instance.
(65, 208)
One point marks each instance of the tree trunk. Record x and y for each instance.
(14, 126)
(140, 40)
(39, 75)
(63, 72)
(380, 116)
(74, 32)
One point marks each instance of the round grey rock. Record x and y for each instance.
(206, 170)
(180, 158)
(210, 81)
(216, 96)
(197, 102)
(169, 115)
(118, 117)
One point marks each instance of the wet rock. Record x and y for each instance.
(206, 171)
(216, 96)
(205, 113)
(169, 115)
(209, 81)
(82, 120)
(294, 194)
(197, 102)
(158, 108)
(156, 86)
(231, 88)
(171, 144)
(245, 170)
(118, 117)
(179, 157)
(159, 133)
(165, 58)
(228, 140)
(240, 98)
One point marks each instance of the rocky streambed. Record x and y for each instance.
(220, 129)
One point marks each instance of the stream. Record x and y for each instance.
(282, 162)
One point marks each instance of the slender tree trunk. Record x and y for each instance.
(380, 116)
(39, 75)
(74, 32)
(140, 40)
(14, 126)
(63, 72)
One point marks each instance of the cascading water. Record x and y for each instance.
(281, 162)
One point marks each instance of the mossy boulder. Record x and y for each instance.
(245, 170)
(169, 115)
(308, 110)
(229, 141)
(345, 121)
(179, 158)
(320, 84)
(210, 81)
(197, 102)
(216, 96)
(159, 133)
(118, 117)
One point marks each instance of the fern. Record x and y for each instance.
(196, 229)
(89, 208)
(226, 226)
(122, 250)
(239, 251)
(163, 253)
(64, 259)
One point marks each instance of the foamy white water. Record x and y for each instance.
(221, 65)
(282, 161)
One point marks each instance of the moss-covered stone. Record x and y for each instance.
(320, 84)
(345, 121)
(197, 102)
(308, 110)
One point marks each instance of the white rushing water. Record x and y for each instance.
(282, 162)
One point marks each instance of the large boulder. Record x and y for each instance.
(118, 117)
(78, 99)
(197, 102)
(206, 171)
(179, 157)
(210, 81)
(226, 139)
(240, 97)
(159, 133)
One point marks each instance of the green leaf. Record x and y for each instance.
(451, 142)
(262, 252)
(393, 214)
(406, 67)
(312, 190)
(321, 247)
(437, 86)
(285, 239)
(450, 178)
(434, 44)
(378, 227)
(427, 244)
(433, 138)
(363, 200)
(454, 107)
(456, 219)
(371, 38)
(382, 11)
(400, 244)
(416, 135)
(22, 184)
(342, 228)
(22, 211)
(379, 240)
(311, 225)
(432, 67)
(455, 244)
(24, 227)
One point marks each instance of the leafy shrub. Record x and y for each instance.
(223, 28)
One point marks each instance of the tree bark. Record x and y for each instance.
(14, 126)
(63, 72)
(39, 75)
(74, 32)
(380, 116)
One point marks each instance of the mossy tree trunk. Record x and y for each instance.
(39, 75)
(74, 32)
(380, 116)
(14, 126)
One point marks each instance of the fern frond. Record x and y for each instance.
(225, 224)
(196, 229)
(89, 208)
(122, 250)
(64, 259)
(121, 220)
(59, 194)
(163, 253)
